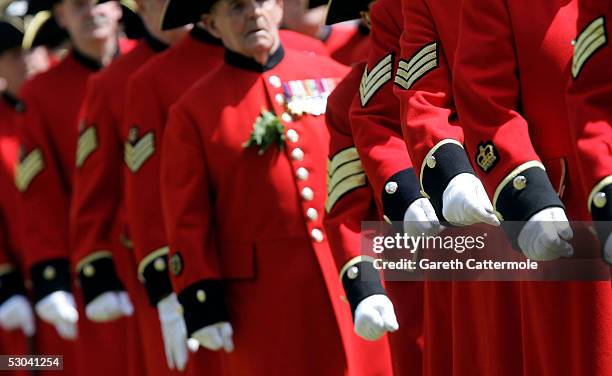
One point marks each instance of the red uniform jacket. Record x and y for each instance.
(511, 66)
(151, 92)
(588, 100)
(347, 44)
(375, 118)
(232, 217)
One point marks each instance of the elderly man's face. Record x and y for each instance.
(248, 27)
(87, 21)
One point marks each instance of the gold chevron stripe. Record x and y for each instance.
(87, 144)
(28, 169)
(588, 42)
(425, 60)
(344, 187)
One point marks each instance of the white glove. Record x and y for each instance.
(59, 310)
(374, 316)
(16, 313)
(608, 249)
(465, 202)
(216, 336)
(420, 217)
(109, 306)
(174, 333)
(546, 235)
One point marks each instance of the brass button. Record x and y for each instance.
(297, 154)
(201, 296)
(307, 193)
(312, 214)
(391, 187)
(280, 99)
(317, 235)
(353, 272)
(292, 135)
(519, 182)
(600, 200)
(287, 118)
(49, 273)
(302, 173)
(89, 271)
(159, 264)
(431, 162)
(275, 81)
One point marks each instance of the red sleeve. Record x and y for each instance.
(589, 97)
(43, 193)
(194, 257)
(375, 120)
(487, 91)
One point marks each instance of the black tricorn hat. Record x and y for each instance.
(11, 33)
(345, 10)
(179, 13)
(43, 30)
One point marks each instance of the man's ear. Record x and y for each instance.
(210, 25)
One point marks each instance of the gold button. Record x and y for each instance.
(519, 182)
(312, 214)
(353, 272)
(49, 273)
(159, 264)
(600, 200)
(297, 154)
(431, 162)
(201, 296)
(317, 235)
(292, 135)
(287, 118)
(302, 173)
(307, 193)
(391, 187)
(387, 219)
(275, 81)
(280, 99)
(89, 271)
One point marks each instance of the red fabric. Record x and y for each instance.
(347, 44)
(510, 71)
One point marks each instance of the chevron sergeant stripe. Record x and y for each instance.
(88, 143)
(136, 155)
(345, 173)
(28, 169)
(590, 40)
(372, 81)
(422, 62)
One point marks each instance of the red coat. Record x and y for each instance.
(151, 92)
(510, 70)
(347, 44)
(48, 137)
(588, 101)
(232, 217)
(97, 209)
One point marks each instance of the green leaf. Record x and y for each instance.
(267, 130)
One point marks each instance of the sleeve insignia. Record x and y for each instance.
(487, 156)
(30, 165)
(589, 41)
(421, 63)
(345, 173)
(138, 151)
(87, 144)
(372, 81)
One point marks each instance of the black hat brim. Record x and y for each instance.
(11, 34)
(178, 13)
(344, 10)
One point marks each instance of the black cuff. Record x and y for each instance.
(50, 276)
(401, 190)
(448, 161)
(525, 195)
(360, 281)
(203, 305)
(157, 280)
(11, 284)
(98, 277)
(601, 210)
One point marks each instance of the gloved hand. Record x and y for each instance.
(174, 333)
(608, 249)
(420, 217)
(59, 310)
(216, 336)
(374, 316)
(465, 202)
(109, 306)
(16, 313)
(546, 235)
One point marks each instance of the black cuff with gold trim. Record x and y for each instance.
(401, 190)
(203, 305)
(50, 276)
(11, 284)
(360, 281)
(448, 161)
(528, 193)
(601, 210)
(157, 280)
(98, 277)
